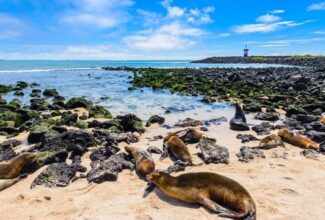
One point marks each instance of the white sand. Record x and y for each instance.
(292, 188)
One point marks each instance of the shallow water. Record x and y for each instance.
(85, 79)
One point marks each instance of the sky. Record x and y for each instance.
(164, 29)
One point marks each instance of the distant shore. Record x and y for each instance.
(295, 60)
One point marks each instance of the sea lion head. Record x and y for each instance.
(157, 177)
(29, 156)
(283, 133)
(129, 149)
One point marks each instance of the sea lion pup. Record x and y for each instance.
(297, 140)
(213, 191)
(238, 123)
(176, 148)
(6, 184)
(188, 136)
(144, 163)
(11, 169)
(271, 141)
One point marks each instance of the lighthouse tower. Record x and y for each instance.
(246, 51)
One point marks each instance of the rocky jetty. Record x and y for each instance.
(296, 60)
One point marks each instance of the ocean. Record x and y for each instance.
(110, 88)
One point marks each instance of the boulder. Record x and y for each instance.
(247, 154)
(263, 128)
(188, 122)
(132, 123)
(55, 175)
(50, 92)
(155, 119)
(212, 153)
(99, 112)
(266, 116)
(109, 169)
(78, 103)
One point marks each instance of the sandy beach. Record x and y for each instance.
(290, 188)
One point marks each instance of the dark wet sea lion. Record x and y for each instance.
(6, 184)
(271, 141)
(297, 139)
(238, 123)
(217, 193)
(189, 136)
(176, 148)
(144, 163)
(11, 169)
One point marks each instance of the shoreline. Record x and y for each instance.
(91, 137)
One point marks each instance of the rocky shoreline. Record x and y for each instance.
(61, 132)
(298, 60)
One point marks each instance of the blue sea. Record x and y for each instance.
(110, 88)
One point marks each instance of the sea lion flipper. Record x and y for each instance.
(211, 205)
(164, 154)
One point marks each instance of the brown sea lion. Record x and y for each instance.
(6, 184)
(176, 148)
(213, 191)
(144, 163)
(270, 142)
(297, 140)
(11, 169)
(188, 136)
(322, 120)
(238, 122)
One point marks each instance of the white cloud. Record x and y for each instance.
(268, 18)
(288, 42)
(280, 11)
(175, 11)
(265, 27)
(193, 15)
(316, 7)
(10, 27)
(319, 32)
(224, 35)
(167, 37)
(97, 13)
(91, 19)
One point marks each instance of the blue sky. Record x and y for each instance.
(165, 29)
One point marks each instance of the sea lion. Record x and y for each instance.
(238, 123)
(176, 148)
(11, 169)
(322, 120)
(188, 136)
(144, 163)
(297, 140)
(213, 191)
(6, 184)
(271, 141)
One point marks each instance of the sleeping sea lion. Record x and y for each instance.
(176, 148)
(297, 140)
(238, 123)
(188, 136)
(6, 184)
(217, 193)
(270, 142)
(11, 169)
(144, 163)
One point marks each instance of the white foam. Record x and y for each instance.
(47, 70)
